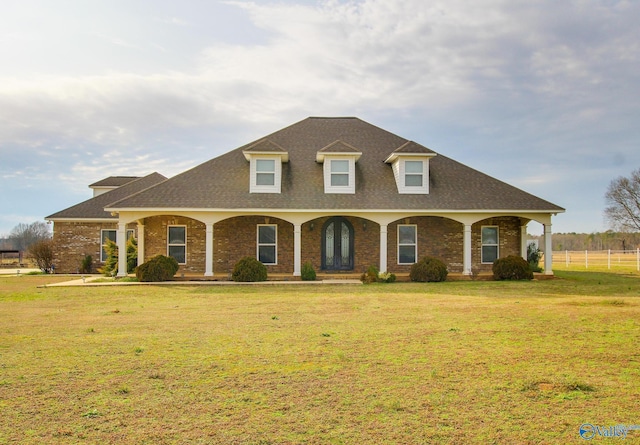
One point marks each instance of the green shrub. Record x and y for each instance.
(308, 273)
(386, 277)
(132, 254)
(158, 268)
(533, 258)
(512, 268)
(249, 269)
(370, 276)
(428, 269)
(111, 263)
(87, 264)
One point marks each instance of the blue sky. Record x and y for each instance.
(542, 95)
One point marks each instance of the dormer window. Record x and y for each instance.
(266, 159)
(410, 163)
(339, 166)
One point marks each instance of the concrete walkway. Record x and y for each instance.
(20, 271)
(90, 280)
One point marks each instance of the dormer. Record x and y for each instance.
(265, 165)
(339, 166)
(410, 163)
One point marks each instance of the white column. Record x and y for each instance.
(383, 248)
(523, 241)
(297, 250)
(121, 239)
(466, 247)
(140, 243)
(548, 253)
(208, 266)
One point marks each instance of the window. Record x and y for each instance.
(265, 172)
(489, 244)
(267, 243)
(339, 173)
(407, 243)
(177, 243)
(106, 235)
(130, 234)
(413, 173)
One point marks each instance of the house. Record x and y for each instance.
(340, 193)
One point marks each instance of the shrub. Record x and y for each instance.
(370, 276)
(428, 269)
(386, 277)
(42, 253)
(158, 268)
(111, 262)
(249, 269)
(87, 264)
(533, 258)
(308, 273)
(511, 268)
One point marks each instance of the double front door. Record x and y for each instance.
(337, 244)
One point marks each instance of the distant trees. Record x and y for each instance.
(24, 235)
(623, 203)
(594, 241)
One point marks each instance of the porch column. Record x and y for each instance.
(297, 249)
(140, 243)
(466, 250)
(121, 239)
(383, 248)
(548, 253)
(523, 241)
(208, 259)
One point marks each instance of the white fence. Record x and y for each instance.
(599, 259)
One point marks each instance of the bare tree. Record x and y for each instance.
(42, 253)
(24, 235)
(623, 202)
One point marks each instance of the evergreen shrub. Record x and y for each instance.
(511, 268)
(159, 268)
(249, 269)
(428, 269)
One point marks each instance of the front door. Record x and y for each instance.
(337, 244)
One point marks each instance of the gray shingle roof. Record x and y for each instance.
(223, 182)
(114, 181)
(94, 208)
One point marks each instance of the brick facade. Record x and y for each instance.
(235, 238)
(73, 241)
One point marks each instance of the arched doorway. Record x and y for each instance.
(337, 244)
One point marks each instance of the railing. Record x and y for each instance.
(597, 259)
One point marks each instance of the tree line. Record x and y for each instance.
(608, 240)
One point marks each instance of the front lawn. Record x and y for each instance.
(404, 363)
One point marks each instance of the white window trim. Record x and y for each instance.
(482, 244)
(415, 226)
(102, 260)
(175, 244)
(344, 189)
(259, 244)
(399, 171)
(277, 183)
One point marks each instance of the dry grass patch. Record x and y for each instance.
(461, 362)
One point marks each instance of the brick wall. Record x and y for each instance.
(75, 240)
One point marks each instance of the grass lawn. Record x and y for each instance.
(405, 363)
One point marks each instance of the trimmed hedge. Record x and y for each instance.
(428, 269)
(511, 268)
(159, 268)
(249, 269)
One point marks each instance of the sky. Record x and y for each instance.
(542, 95)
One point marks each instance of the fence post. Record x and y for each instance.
(609, 259)
(586, 259)
(566, 258)
(638, 258)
